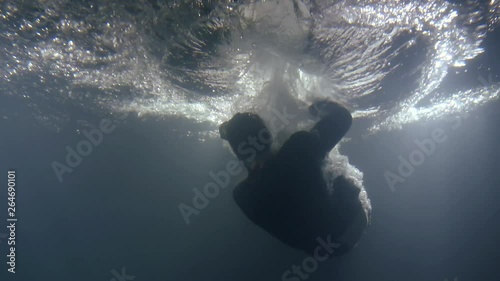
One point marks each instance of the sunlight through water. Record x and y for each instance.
(206, 60)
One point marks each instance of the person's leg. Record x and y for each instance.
(349, 219)
(345, 203)
(344, 191)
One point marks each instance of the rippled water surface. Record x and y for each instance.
(206, 60)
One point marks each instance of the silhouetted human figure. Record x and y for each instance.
(286, 193)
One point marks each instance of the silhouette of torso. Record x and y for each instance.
(288, 197)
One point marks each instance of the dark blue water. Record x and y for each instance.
(115, 216)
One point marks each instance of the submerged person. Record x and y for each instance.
(286, 193)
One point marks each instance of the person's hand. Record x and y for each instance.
(223, 130)
(322, 108)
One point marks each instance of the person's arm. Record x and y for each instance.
(334, 124)
(335, 121)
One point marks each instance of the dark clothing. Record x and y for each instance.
(288, 196)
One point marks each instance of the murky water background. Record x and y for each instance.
(186, 66)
